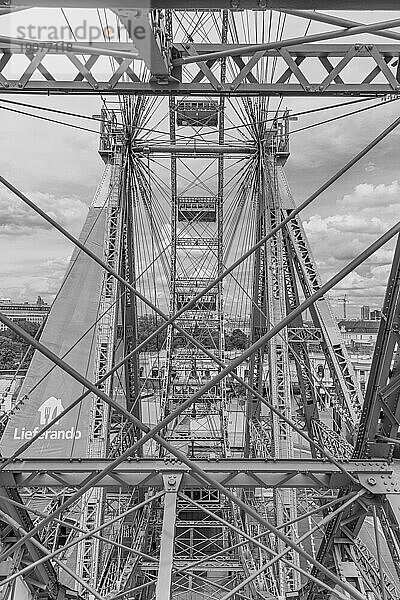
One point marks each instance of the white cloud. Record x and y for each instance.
(347, 249)
(367, 195)
(382, 258)
(16, 218)
(44, 280)
(368, 289)
(344, 224)
(362, 216)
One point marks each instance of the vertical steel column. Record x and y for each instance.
(172, 482)
(88, 562)
(285, 501)
(349, 397)
(220, 235)
(174, 217)
(258, 320)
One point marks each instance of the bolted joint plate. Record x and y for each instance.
(382, 483)
(368, 473)
(8, 480)
(172, 481)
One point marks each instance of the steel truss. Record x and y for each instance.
(375, 73)
(174, 451)
(258, 5)
(240, 510)
(241, 473)
(376, 69)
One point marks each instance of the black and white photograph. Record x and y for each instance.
(199, 300)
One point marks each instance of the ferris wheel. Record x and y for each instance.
(187, 447)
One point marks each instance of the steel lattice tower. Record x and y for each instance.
(152, 452)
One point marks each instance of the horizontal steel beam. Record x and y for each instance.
(147, 89)
(375, 71)
(298, 473)
(306, 50)
(192, 149)
(99, 48)
(213, 4)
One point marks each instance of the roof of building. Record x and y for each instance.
(359, 326)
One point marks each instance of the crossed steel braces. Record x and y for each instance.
(153, 434)
(370, 480)
(165, 60)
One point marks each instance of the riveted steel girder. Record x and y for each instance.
(247, 473)
(375, 70)
(214, 4)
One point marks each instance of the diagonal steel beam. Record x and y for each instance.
(135, 589)
(214, 358)
(45, 573)
(172, 319)
(348, 500)
(186, 307)
(184, 460)
(189, 305)
(21, 450)
(317, 37)
(4, 516)
(95, 392)
(51, 555)
(327, 519)
(68, 525)
(379, 378)
(187, 404)
(265, 533)
(111, 542)
(389, 388)
(275, 229)
(154, 432)
(339, 21)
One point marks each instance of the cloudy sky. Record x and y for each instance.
(358, 208)
(59, 168)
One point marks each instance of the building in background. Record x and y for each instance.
(233, 322)
(376, 315)
(24, 311)
(361, 365)
(359, 334)
(10, 384)
(365, 313)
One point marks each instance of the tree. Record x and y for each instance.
(147, 324)
(31, 328)
(10, 353)
(13, 348)
(238, 340)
